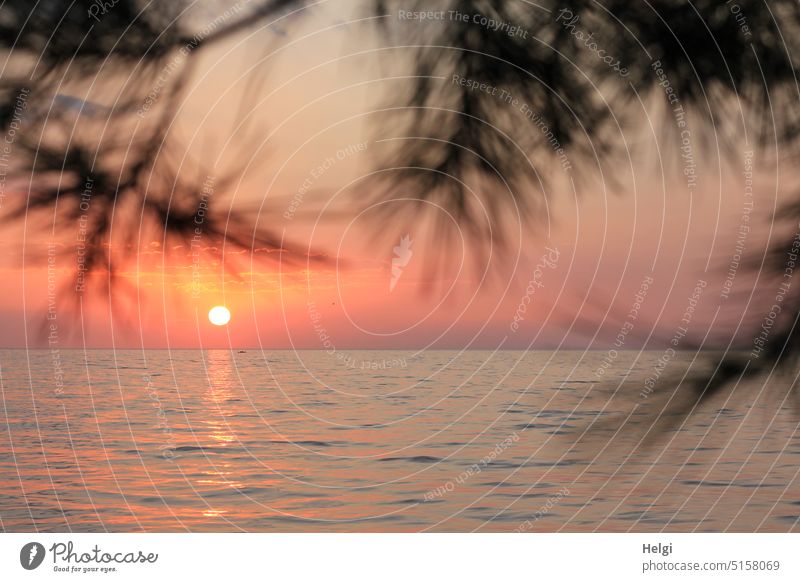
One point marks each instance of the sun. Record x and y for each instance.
(219, 315)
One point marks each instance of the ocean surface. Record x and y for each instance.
(390, 441)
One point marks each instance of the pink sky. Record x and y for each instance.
(604, 251)
(609, 238)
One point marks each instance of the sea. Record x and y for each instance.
(395, 441)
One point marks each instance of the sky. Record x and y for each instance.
(569, 278)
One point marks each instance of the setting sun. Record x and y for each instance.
(219, 315)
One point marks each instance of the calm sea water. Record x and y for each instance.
(387, 441)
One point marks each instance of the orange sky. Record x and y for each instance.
(609, 238)
(604, 253)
